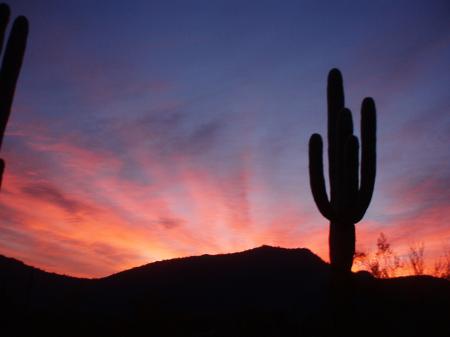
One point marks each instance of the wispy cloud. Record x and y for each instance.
(125, 148)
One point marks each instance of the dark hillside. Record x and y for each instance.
(265, 291)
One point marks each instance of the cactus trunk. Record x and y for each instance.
(342, 245)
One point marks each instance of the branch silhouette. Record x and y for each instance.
(10, 68)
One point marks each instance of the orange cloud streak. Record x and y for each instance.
(84, 218)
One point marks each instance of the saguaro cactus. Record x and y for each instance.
(350, 193)
(11, 64)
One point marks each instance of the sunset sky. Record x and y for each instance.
(150, 130)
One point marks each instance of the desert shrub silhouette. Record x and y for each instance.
(384, 262)
(350, 193)
(11, 64)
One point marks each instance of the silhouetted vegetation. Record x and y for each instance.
(416, 258)
(350, 192)
(385, 262)
(11, 64)
(442, 265)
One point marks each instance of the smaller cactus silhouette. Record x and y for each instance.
(10, 68)
(350, 193)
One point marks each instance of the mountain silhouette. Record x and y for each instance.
(265, 291)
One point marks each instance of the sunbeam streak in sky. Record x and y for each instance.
(164, 129)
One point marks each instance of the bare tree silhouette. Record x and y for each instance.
(442, 265)
(10, 68)
(384, 263)
(416, 258)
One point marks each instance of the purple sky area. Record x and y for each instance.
(147, 130)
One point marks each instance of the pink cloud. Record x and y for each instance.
(68, 207)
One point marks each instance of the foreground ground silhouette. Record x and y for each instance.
(265, 291)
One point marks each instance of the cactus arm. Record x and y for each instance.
(4, 17)
(336, 101)
(10, 68)
(9, 72)
(368, 157)
(316, 178)
(351, 177)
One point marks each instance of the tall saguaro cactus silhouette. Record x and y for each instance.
(10, 68)
(350, 192)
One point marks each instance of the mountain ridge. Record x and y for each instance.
(6, 260)
(264, 291)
